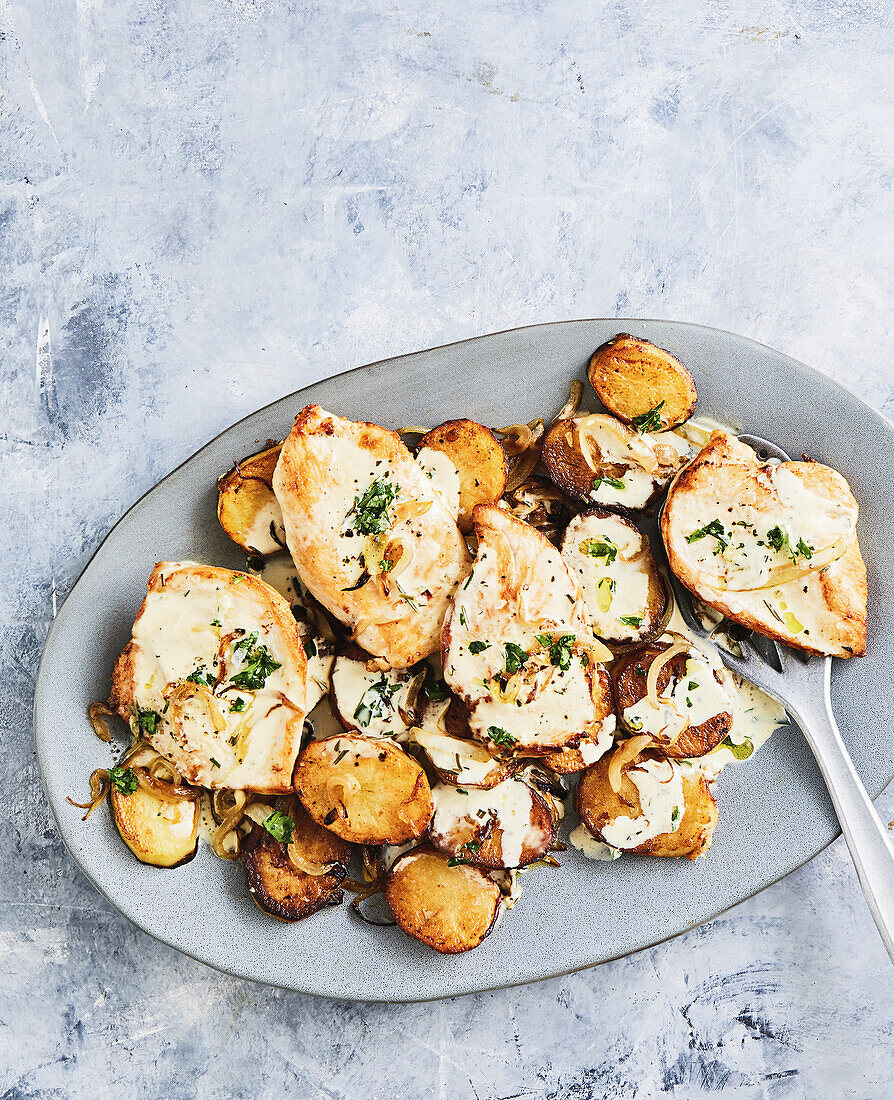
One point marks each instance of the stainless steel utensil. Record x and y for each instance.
(801, 683)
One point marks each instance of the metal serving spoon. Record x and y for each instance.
(801, 684)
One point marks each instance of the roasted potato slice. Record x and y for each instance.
(479, 459)
(368, 792)
(662, 807)
(699, 692)
(463, 763)
(375, 704)
(625, 470)
(246, 507)
(449, 906)
(641, 383)
(509, 825)
(159, 832)
(589, 749)
(281, 888)
(618, 575)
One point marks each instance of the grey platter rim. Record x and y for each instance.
(622, 324)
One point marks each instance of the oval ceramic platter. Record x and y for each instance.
(774, 810)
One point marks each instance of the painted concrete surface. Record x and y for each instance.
(206, 205)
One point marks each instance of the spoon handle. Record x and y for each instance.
(867, 837)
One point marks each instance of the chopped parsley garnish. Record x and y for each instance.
(461, 790)
(470, 846)
(216, 622)
(499, 736)
(478, 647)
(559, 649)
(370, 510)
(614, 482)
(676, 815)
(147, 720)
(778, 538)
(649, 421)
(435, 689)
(715, 529)
(692, 685)
(386, 565)
(515, 657)
(376, 701)
(455, 861)
(124, 779)
(203, 677)
(216, 763)
(740, 752)
(631, 620)
(462, 617)
(279, 826)
(600, 548)
(259, 664)
(238, 705)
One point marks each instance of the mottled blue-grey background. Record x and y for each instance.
(206, 204)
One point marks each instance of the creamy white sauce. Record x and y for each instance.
(755, 715)
(370, 701)
(641, 477)
(438, 468)
(280, 573)
(695, 698)
(258, 535)
(468, 764)
(616, 582)
(592, 749)
(582, 839)
(509, 803)
(660, 787)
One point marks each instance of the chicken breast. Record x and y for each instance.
(517, 644)
(773, 547)
(371, 537)
(215, 677)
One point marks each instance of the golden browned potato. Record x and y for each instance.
(661, 808)
(479, 459)
(701, 693)
(598, 459)
(159, 832)
(246, 507)
(448, 905)
(509, 825)
(641, 383)
(368, 792)
(293, 889)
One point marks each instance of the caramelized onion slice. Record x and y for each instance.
(624, 757)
